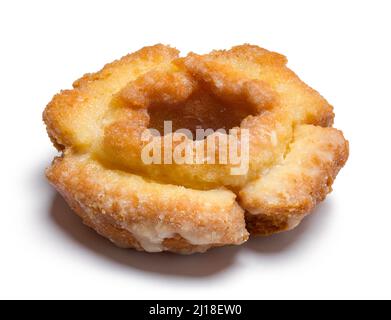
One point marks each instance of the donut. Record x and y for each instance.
(179, 190)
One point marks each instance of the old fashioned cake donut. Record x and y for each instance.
(110, 121)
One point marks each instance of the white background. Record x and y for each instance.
(341, 48)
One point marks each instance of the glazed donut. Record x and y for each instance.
(106, 122)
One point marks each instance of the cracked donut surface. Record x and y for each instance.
(294, 153)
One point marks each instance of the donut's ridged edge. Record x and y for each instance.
(127, 209)
(284, 196)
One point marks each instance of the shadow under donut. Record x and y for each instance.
(284, 241)
(196, 265)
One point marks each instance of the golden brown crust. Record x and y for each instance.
(73, 116)
(294, 155)
(134, 212)
(280, 199)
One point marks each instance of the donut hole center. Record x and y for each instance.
(202, 110)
